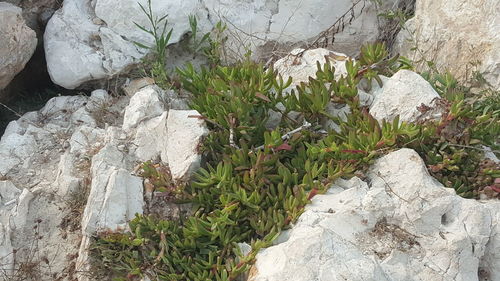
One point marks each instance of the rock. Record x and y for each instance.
(301, 68)
(401, 95)
(134, 86)
(184, 135)
(18, 43)
(145, 104)
(468, 35)
(174, 138)
(98, 99)
(82, 117)
(9, 195)
(336, 110)
(59, 107)
(19, 217)
(15, 149)
(92, 40)
(36, 13)
(489, 154)
(67, 182)
(405, 226)
(267, 27)
(151, 138)
(86, 138)
(98, 38)
(115, 196)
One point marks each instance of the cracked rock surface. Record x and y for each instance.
(460, 23)
(91, 40)
(68, 170)
(399, 224)
(18, 43)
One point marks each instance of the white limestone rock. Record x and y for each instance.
(115, 196)
(67, 182)
(174, 138)
(151, 138)
(336, 110)
(15, 149)
(262, 26)
(20, 216)
(91, 40)
(98, 99)
(18, 42)
(468, 35)
(86, 138)
(401, 95)
(184, 135)
(145, 104)
(83, 117)
(404, 226)
(9, 195)
(301, 68)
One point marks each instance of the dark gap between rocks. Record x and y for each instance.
(30, 90)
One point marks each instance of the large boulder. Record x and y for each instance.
(18, 43)
(459, 36)
(36, 13)
(91, 40)
(399, 225)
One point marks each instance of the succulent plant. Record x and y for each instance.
(257, 181)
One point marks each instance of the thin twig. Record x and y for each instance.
(337, 27)
(11, 110)
(286, 136)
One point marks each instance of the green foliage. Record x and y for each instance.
(451, 146)
(161, 35)
(197, 44)
(210, 44)
(257, 180)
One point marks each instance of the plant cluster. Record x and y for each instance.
(452, 146)
(209, 44)
(257, 181)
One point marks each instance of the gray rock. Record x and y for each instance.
(145, 104)
(115, 196)
(404, 226)
(301, 68)
(18, 43)
(97, 36)
(474, 24)
(184, 135)
(401, 95)
(151, 138)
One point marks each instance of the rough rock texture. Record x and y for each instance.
(91, 40)
(401, 95)
(115, 195)
(144, 104)
(300, 68)
(399, 225)
(37, 12)
(75, 166)
(87, 40)
(184, 135)
(455, 35)
(18, 43)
